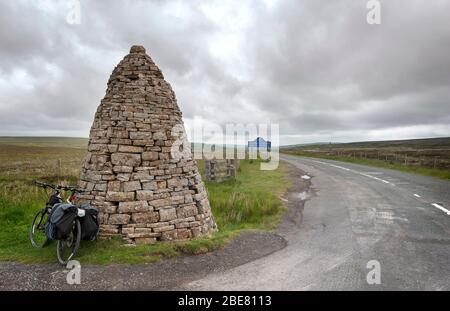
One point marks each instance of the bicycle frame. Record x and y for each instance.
(52, 199)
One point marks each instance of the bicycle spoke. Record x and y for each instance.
(37, 231)
(67, 248)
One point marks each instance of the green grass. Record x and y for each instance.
(254, 198)
(248, 203)
(438, 173)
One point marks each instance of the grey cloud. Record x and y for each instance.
(316, 67)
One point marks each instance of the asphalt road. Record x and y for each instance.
(355, 214)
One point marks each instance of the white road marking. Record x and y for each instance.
(356, 172)
(441, 208)
(416, 195)
(319, 162)
(341, 167)
(373, 177)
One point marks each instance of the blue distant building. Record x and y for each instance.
(260, 144)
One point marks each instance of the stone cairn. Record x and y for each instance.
(143, 192)
(219, 170)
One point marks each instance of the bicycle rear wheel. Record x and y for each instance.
(67, 248)
(37, 234)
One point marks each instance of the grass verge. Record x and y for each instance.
(249, 202)
(438, 173)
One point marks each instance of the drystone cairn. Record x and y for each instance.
(143, 192)
(219, 170)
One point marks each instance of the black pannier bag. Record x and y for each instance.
(89, 223)
(60, 223)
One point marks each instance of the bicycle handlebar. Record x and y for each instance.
(70, 188)
(66, 188)
(44, 185)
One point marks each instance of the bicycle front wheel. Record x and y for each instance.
(37, 234)
(67, 248)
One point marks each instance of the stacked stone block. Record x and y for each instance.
(143, 192)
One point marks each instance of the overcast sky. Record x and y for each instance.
(315, 67)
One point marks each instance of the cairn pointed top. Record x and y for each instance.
(137, 49)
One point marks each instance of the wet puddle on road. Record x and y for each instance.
(302, 195)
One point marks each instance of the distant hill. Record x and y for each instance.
(424, 143)
(81, 143)
(307, 145)
(29, 141)
(68, 142)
